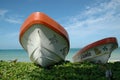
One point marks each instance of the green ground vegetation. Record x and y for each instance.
(63, 71)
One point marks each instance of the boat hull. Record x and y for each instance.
(44, 45)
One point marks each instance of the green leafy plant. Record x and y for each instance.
(63, 71)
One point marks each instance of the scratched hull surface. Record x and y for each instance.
(97, 52)
(44, 46)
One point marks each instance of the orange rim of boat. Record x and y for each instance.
(41, 18)
(97, 43)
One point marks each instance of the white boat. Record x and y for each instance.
(45, 40)
(98, 52)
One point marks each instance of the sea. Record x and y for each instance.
(22, 56)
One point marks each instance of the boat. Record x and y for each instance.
(97, 52)
(45, 41)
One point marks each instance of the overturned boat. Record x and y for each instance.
(45, 40)
(98, 52)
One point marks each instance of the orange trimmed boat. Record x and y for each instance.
(45, 40)
(99, 51)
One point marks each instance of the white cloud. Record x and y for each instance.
(15, 20)
(3, 12)
(4, 16)
(95, 22)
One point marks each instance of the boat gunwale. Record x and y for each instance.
(96, 44)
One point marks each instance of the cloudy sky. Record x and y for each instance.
(86, 21)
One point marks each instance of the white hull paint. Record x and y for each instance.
(44, 46)
(97, 54)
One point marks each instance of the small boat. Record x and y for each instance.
(98, 52)
(46, 41)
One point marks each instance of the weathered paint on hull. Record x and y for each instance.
(45, 47)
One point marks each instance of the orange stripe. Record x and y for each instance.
(97, 43)
(41, 18)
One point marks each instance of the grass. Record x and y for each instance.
(63, 71)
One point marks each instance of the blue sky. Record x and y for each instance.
(86, 21)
